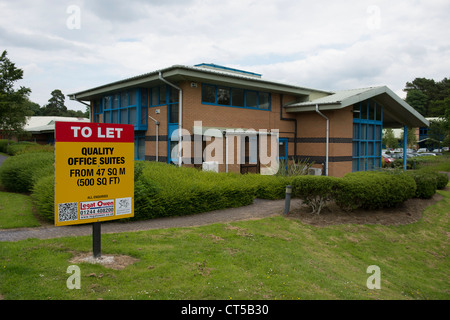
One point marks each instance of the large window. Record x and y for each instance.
(125, 107)
(367, 132)
(235, 97)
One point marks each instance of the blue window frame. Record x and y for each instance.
(283, 148)
(235, 97)
(367, 135)
(126, 107)
(139, 146)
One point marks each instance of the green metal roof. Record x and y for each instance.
(396, 111)
(200, 73)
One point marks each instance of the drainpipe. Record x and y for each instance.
(157, 135)
(328, 138)
(180, 115)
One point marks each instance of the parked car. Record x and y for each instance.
(386, 160)
(422, 150)
(424, 154)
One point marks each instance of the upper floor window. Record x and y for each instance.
(235, 97)
(125, 107)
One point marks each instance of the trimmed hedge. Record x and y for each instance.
(19, 173)
(43, 195)
(374, 190)
(266, 186)
(165, 190)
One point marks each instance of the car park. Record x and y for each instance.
(424, 154)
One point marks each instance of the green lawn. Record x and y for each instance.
(273, 258)
(16, 211)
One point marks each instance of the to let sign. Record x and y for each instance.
(94, 172)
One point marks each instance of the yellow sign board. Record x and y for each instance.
(94, 172)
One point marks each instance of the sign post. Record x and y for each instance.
(94, 174)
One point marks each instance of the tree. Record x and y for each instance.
(389, 139)
(411, 139)
(437, 133)
(13, 109)
(428, 96)
(55, 106)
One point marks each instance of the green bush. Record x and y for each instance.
(43, 195)
(19, 173)
(4, 145)
(426, 183)
(267, 186)
(442, 180)
(166, 190)
(374, 190)
(315, 191)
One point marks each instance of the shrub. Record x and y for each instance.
(293, 167)
(315, 191)
(374, 190)
(426, 184)
(182, 191)
(19, 173)
(43, 195)
(267, 186)
(4, 145)
(442, 180)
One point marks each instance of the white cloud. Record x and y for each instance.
(321, 44)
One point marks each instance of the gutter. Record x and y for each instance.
(328, 138)
(87, 105)
(180, 115)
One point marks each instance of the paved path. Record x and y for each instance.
(258, 210)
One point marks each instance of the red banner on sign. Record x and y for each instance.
(93, 132)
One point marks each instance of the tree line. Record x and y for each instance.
(15, 105)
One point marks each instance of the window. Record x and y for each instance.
(139, 147)
(173, 113)
(97, 110)
(367, 129)
(235, 97)
(223, 96)
(132, 98)
(155, 96)
(264, 101)
(126, 107)
(251, 99)
(115, 101)
(208, 94)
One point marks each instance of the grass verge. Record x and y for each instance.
(16, 211)
(273, 258)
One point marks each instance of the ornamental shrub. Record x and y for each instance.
(270, 187)
(43, 195)
(426, 184)
(374, 190)
(442, 180)
(315, 191)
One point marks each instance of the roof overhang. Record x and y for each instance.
(195, 74)
(396, 112)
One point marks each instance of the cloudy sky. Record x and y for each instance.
(331, 45)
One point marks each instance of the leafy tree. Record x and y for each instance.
(389, 139)
(13, 109)
(55, 106)
(418, 100)
(411, 139)
(428, 96)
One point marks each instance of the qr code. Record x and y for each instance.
(68, 211)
